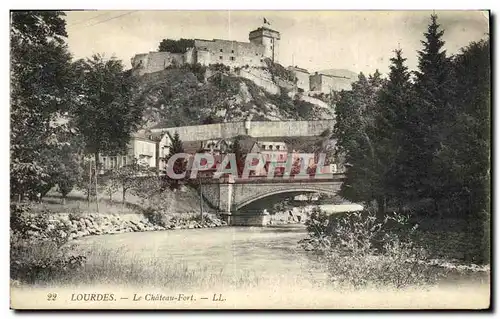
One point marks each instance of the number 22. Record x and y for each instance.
(51, 296)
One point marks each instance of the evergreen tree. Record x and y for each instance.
(393, 104)
(465, 155)
(471, 136)
(428, 119)
(180, 165)
(238, 154)
(176, 146)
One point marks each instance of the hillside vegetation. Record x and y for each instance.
(194, 94)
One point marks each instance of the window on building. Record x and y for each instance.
(232, 51)
(232, 58)
(270, 147)
(220, 57)
(124, 160)
(261, 60)
(220, 50)
(256, 54)
(113, 162)
(277, 147)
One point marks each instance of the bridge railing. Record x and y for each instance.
(336, 177)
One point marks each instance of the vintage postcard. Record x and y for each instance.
(250, 160)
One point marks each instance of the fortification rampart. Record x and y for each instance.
(254, 129)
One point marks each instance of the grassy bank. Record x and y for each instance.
(186, 200)
(110, 268)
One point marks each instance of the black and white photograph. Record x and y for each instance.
(249, 159)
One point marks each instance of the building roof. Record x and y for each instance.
(331, 75)
(142, 135)
(296, 68)
(150, 136)
(264, 29)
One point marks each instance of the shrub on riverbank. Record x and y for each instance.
(40, 238)
(361, 251)
(38, 249)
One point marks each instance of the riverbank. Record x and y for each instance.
(73, 225)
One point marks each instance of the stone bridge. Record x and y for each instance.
(231, 198)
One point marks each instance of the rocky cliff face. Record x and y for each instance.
(192, 95)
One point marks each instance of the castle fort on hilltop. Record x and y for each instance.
(264, 44)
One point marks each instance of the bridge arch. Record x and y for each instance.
(257, 197)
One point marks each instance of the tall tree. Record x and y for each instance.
(40, 93)
(238, 154)
(430, 117)
(355, 121)
(105, 113)
(180, 165)
(393, 104)
(471, 135)
(465, 154)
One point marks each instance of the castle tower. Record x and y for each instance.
(269, 38)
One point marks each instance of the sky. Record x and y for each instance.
(360, 41)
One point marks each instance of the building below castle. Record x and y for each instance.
(319, 82)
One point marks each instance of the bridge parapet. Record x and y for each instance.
(229, 197)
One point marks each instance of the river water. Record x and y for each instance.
(267, 253)
(247, 267)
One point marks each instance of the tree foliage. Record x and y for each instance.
(128, 177)
(60, 109)
(41, 92)
(393, 104)
(105, 114)
(354, 128)
(423, 139)
(180, 165)
(175, 46)
(238, 155)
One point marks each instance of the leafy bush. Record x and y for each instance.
(159, 207)
(219, 67)
(326, 133)
(197, 69)
(156, 217)
(277, 70)
(27, 224)
(360, 250)
(317, 223)
(35, 260)
(38, 246)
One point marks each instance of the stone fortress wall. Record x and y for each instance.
(324, 83)
(264, 43)
(231, 53)
(250, 128)
(157, 61)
